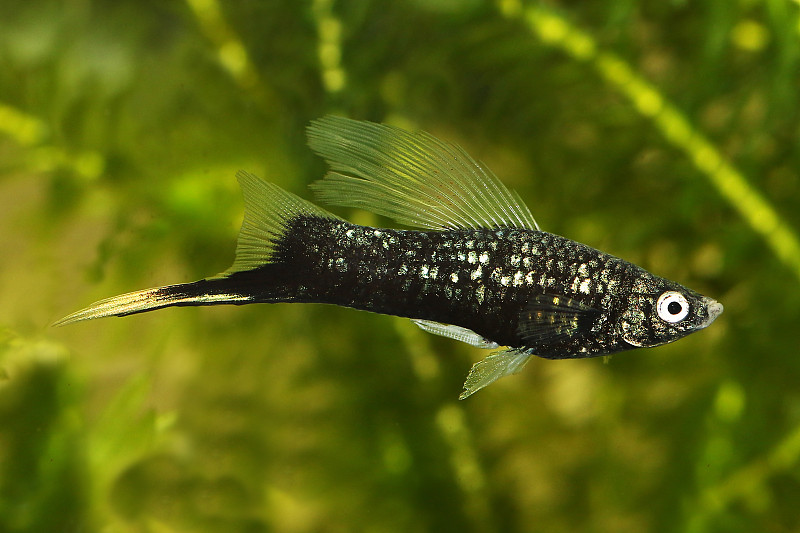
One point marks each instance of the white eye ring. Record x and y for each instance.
(672, 307)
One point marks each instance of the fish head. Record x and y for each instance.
(659, 311)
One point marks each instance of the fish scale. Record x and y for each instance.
(477, 269)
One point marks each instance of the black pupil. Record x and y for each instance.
(674, 308)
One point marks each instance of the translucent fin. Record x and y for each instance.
(267, 207)
(148, 300)
(414, 178)
(550, 318)
(492, 368)
(456, 332)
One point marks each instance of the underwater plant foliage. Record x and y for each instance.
(664, 133)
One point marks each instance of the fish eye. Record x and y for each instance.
(672, 307)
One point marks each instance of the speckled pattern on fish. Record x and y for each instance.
(478, 269)
(480, 279)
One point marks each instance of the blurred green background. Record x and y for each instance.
(662, 132)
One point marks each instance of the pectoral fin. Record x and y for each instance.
(548, 319)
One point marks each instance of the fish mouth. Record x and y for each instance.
(714, 310)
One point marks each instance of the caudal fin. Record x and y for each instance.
(203, 292)
(268, 209)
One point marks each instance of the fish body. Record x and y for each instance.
(480, 270)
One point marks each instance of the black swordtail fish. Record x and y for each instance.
(478, 269)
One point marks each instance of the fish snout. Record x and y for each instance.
(714, 310)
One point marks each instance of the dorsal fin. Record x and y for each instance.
(414, 178)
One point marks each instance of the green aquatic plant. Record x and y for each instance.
(664, 133)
